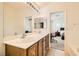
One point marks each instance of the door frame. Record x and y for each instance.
(65, 22)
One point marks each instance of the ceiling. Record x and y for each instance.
(38, 5)
(16, 4)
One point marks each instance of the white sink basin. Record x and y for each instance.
(20, 40)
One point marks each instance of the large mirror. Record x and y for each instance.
(28, 24)
(40, 23)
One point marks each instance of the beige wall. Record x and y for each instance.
(9, 20)
(21, 13)
(73, 25)
(14, 14)
(1, 30)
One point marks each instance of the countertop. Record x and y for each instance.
(26, 42)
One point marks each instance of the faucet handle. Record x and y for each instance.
(15, 33)
(39, 31)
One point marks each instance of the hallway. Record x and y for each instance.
(57, 47)
(57, 43)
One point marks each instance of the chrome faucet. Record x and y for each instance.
(23, 35)
(39, 32)
(15, 33)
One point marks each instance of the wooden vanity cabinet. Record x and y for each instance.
(47, 44)
(43, 48)
(14, 51)
(40, 48)
(32, 51)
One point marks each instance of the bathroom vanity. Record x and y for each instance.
(35, 44)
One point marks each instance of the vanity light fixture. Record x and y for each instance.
(33, 6)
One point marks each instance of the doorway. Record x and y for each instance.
(57, 26)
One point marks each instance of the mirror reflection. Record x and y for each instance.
(40, 23)
(28, 24)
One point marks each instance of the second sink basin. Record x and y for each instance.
(25, 40)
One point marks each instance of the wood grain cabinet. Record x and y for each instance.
(14, 51)
(43, 47)
(46, 44)
(32, 51)
(40, 48)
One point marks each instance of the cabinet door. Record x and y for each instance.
(32, 51)
(14, 51)
(43, 47)
(40, 47)
(46, 44)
